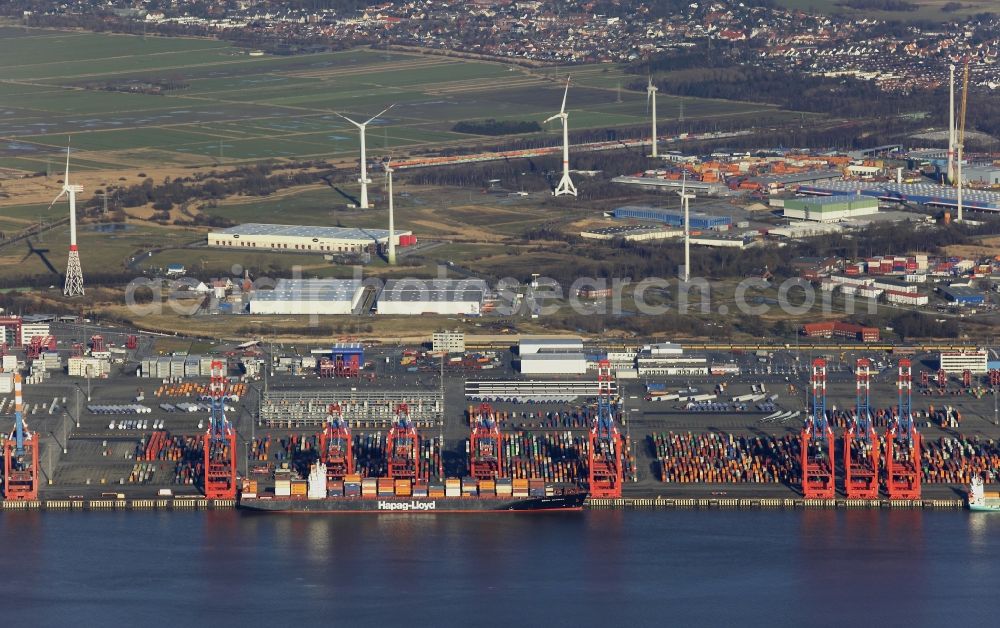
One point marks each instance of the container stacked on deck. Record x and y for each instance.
(725, 458)
(555, 457)
(260, 448)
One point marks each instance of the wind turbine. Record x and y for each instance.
(565, 183)
(363, 179)
(74, 272)
(651, 98)
(392, 225)
(685, 200)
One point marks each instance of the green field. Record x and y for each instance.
(234, 108)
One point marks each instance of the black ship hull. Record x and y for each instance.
(414, 505)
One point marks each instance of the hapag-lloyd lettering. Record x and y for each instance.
(407, 506)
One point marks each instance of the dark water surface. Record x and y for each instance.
(668, 568)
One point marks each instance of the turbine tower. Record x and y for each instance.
(651, 98)
(392, 225)
(363, 179)
(74, 272)
(685, 200)
(565, 183)
(951, 123)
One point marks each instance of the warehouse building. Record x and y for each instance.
(701, 188)
(676, 219)
(922, 193)
(962, 295)
(830, 208)
(308, 296)
(906, 298)
(304, 238)
(432, 296)
(721, 241)
(958, 361)
(632, 233)
(554, 363)
(839, 329)
(778, 182)
(542, 344)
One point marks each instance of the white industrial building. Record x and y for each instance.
(958, 361)
(87, 366)
(830, 208)
(667, 358)
(301, 238)
(448, 342)
(554, 363)
(30, 330)
(431, 296)
(540, 344)
(309, 296)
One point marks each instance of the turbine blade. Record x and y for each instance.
(551, 118)
(66, 178)
(56, 199)
(565, 93)
(380, 113)
(348, 119)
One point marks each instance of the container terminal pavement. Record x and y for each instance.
(852, 433)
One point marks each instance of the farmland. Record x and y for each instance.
(226, 107)
(929, 10)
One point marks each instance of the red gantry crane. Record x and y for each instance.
(606, 450)
(861, 442)
(485, 445)
(403, 447)
(335, 448)
(902, 464)
(817, 442)
(220, 441)
(20, 455)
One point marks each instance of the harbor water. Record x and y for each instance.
(607, 568)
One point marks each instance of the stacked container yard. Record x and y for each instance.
(725, 458)
(952, 460)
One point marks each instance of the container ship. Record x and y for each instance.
(980, 500)
(334, 484)
(354, 494)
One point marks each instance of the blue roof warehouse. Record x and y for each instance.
(698, 221)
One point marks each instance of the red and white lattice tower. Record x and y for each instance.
(74, 271)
